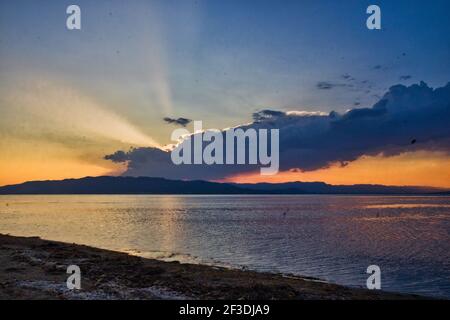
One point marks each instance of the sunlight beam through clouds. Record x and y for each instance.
(48, 107)
(155, 58)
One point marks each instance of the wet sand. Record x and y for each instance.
(32, 268)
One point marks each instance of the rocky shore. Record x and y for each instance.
(32, 268)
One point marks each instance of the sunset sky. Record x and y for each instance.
(70, 98)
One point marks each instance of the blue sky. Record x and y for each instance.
(228, 58)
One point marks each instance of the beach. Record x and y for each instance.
(33, 268)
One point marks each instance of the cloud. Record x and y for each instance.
(119, 156)
(347, 77)
(325, 85)
(154, 162)
(404, 78)
(179, 121)
(315, 140)
(267, 114)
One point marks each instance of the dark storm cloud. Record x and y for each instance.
(118, 156)
(310, 141)
(179, 121)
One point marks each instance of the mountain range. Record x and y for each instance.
(151, 185)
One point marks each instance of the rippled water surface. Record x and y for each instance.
(330, 237)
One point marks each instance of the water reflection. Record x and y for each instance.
(332, 237)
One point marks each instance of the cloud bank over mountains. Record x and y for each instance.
(405, 119)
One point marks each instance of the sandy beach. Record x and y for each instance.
(32, 268)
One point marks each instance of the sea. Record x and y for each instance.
(331, 237)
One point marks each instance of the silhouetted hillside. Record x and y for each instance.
(323, 188)
(147, 185)
(120, 185)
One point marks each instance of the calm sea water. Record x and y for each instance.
(331, 237)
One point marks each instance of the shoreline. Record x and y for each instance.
(33, 268)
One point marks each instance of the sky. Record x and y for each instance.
(70, 98)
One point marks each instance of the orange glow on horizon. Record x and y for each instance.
(19, 172)
(40, 160)
(409, 169)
